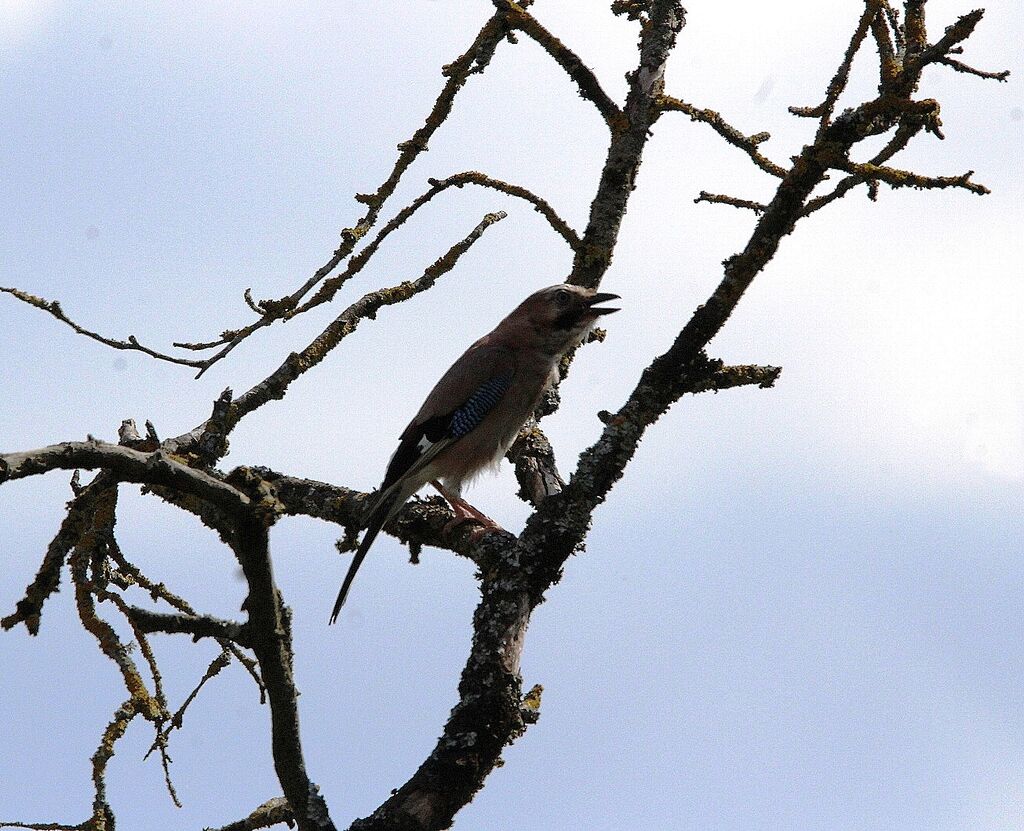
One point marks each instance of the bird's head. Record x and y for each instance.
(561, 315)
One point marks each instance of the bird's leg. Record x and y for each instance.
(464, 512)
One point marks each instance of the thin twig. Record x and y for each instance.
(53, 307)
(722, 199)
(330, 287)
(893, 17)
(159, 591)
(904, 178)
(198, 626)
(106, 637)
(272, 812)
(907, 129)
(473, 61)
(472, 177)
(297, 363)
(102, 815)
(175, 722)
(835, 88)
(748, 144)
(960, 66)
(587, 84)
(156, 710)
(78, 518)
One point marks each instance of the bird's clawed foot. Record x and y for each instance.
(485, 522)
(464, 512)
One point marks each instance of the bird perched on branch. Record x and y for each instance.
(476, 410)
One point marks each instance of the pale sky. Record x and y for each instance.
(800, 609)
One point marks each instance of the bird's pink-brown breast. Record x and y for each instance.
(484, 446)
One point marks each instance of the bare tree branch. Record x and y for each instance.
(888, 62)
(198, 626)
(330, 287)
(127, 465)
(723, 199)
(625, 150)
(904, 178)
(473, 61)
(274, 385)
(472, 177)
(586, 82)
(132, 575)
(909, 126)
(422, 522)
(270, 633)
(79, 516)
(960, 66)
(534, 461)
(212, 671)
(54, 308)
(748, 144)
(955, 34)
(102, 815)
(272, 812)
(914, 31)
(159, 699)
(823, 111)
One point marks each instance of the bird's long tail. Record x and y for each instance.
(386, 507)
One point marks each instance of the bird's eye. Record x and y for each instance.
(562, 297)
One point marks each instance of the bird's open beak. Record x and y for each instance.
(601, 298)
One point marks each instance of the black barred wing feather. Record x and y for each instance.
(465, 419)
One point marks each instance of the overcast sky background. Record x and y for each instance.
(800, 609)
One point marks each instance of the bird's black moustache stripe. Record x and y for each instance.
(566, 320)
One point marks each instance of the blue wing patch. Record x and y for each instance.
(482, 401)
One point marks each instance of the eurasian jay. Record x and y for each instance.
(474, 413)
